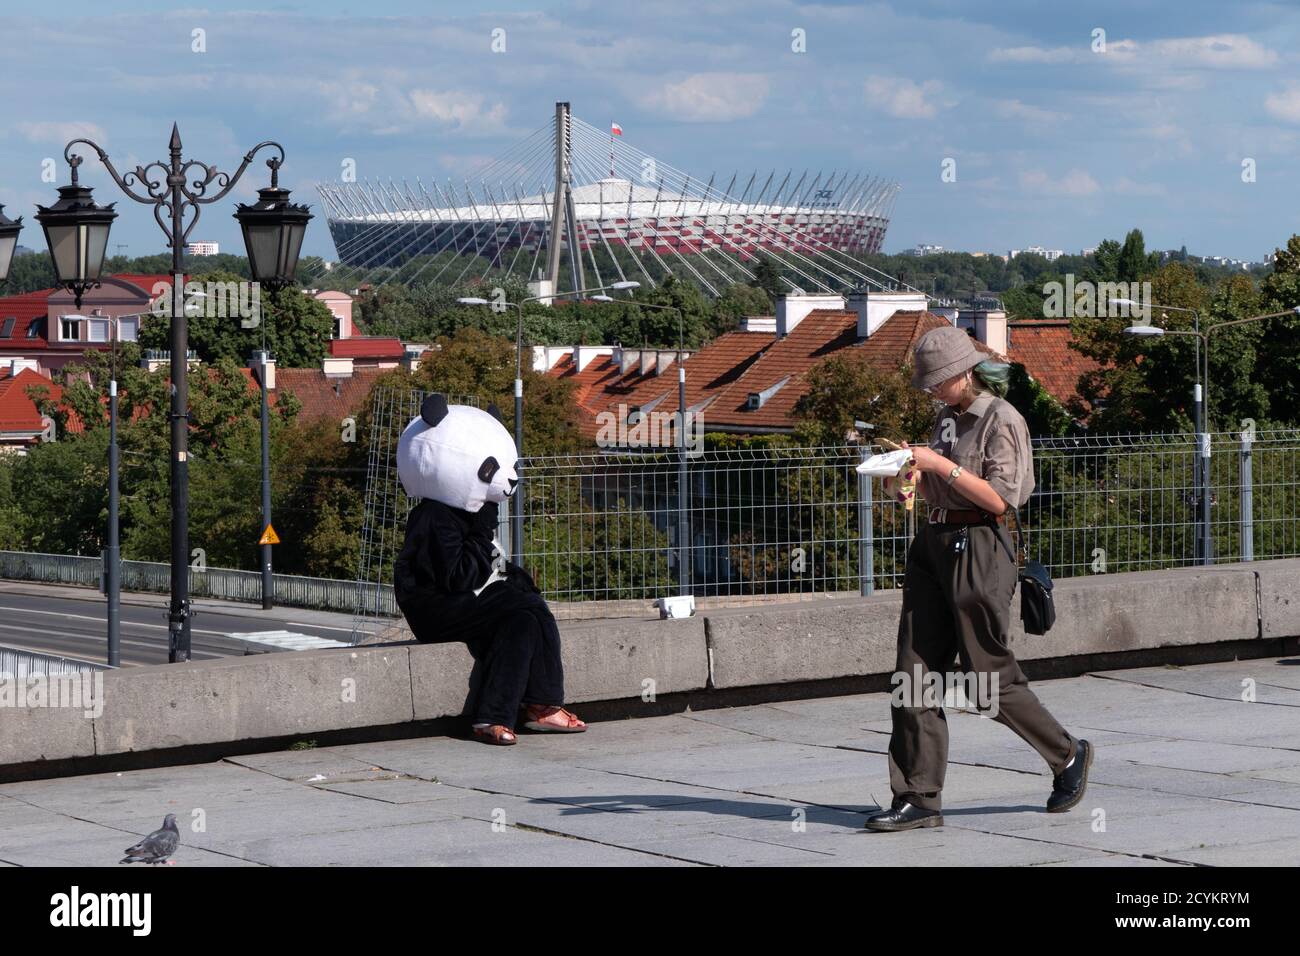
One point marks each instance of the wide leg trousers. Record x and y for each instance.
(957, 603)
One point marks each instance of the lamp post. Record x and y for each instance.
(517, 513)
(9, 229)
(1203, 437)
(683, 522)
(76, 230)
(112, 555)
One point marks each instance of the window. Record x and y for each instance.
(37, 328)
(97, 330)
(7, 327)
(128, 330)
(68, 331)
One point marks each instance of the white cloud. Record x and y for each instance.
(465, 110)
(55, 131)
(1038, 54)
(705, 97)
(1076, 182)
(1229, 51)
(1015, 109)
(899, 97)
(1285, 105)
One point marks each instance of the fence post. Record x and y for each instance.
(683, 519)
(866, 532)
(1247, 497)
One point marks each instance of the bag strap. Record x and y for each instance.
(1020, 530)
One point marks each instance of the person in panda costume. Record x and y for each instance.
(452, 580)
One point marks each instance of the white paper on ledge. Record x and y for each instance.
(886, 465)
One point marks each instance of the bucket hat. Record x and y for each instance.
(942, 353)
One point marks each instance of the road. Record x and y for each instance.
(72, 622)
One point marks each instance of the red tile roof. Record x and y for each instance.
(1042, 346)
(145, 281)
(326, 398)
(18, 413)
(367, 346)
(26, 309)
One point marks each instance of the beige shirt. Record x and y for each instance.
(989, 439)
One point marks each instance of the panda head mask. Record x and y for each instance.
(457, 454)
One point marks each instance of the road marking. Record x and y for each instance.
(103, 620)
(325, 627)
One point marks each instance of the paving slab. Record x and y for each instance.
(1185, 774)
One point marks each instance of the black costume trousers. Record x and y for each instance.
(517, 643)
(958, 602)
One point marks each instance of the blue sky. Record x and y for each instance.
(1056, 141)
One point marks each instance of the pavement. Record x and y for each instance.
(1186, 773)
(73, 622)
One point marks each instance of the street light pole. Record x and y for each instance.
(268, 580)
(517, 511)
(77, 234)
(1203, 437)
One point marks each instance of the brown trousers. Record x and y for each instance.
(959, 603)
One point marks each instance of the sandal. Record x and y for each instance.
(552, 720)
(498, 734)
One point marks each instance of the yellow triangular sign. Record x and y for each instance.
(269, 536)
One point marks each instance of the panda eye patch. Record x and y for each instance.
(488, 469)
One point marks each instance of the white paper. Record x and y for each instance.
(498, 561)
(886, 465)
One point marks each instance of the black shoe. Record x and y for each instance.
(1068, 785)
(903, 816)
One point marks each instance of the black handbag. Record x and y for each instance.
(1037, 610)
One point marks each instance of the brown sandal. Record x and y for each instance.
(498, 734)
(552, 720)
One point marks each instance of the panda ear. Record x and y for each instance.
(494, 411)
(433, 410)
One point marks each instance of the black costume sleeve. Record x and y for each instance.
(459, 551)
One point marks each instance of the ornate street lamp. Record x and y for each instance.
(77, 232)
(9, 230)
(273, 231)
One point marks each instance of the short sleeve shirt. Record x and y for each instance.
(989, 439)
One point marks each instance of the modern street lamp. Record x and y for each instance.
(9, 230)
(1203, 436)
(112, 555)
(683, 522)
(76, 230)
(517, 513)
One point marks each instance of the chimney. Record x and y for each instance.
(989, 325)
(665, 359)
(256, 365)
(874, 308)
(648, 361)
(794, 308)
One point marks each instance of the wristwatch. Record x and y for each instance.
(952, 475)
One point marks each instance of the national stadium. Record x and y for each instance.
(630, 216)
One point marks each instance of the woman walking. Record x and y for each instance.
(959, 582)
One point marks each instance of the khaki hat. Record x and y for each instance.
(942, 353)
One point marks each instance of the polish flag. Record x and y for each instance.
(615, 130)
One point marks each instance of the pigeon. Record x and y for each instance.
(157, 846)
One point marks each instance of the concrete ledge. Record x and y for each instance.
(818, 640)
(1279, 597)
(601, 662)
(44, 733)
(1139, 610)
(246, 698)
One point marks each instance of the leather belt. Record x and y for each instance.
(962, 516)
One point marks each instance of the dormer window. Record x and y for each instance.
(759, 399)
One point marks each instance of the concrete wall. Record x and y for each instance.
(283, 695)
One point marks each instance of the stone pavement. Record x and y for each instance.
(1185, 773)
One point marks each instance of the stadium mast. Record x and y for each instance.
(564, 219)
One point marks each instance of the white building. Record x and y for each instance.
(201, 248)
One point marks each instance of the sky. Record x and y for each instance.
(1007, 124)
